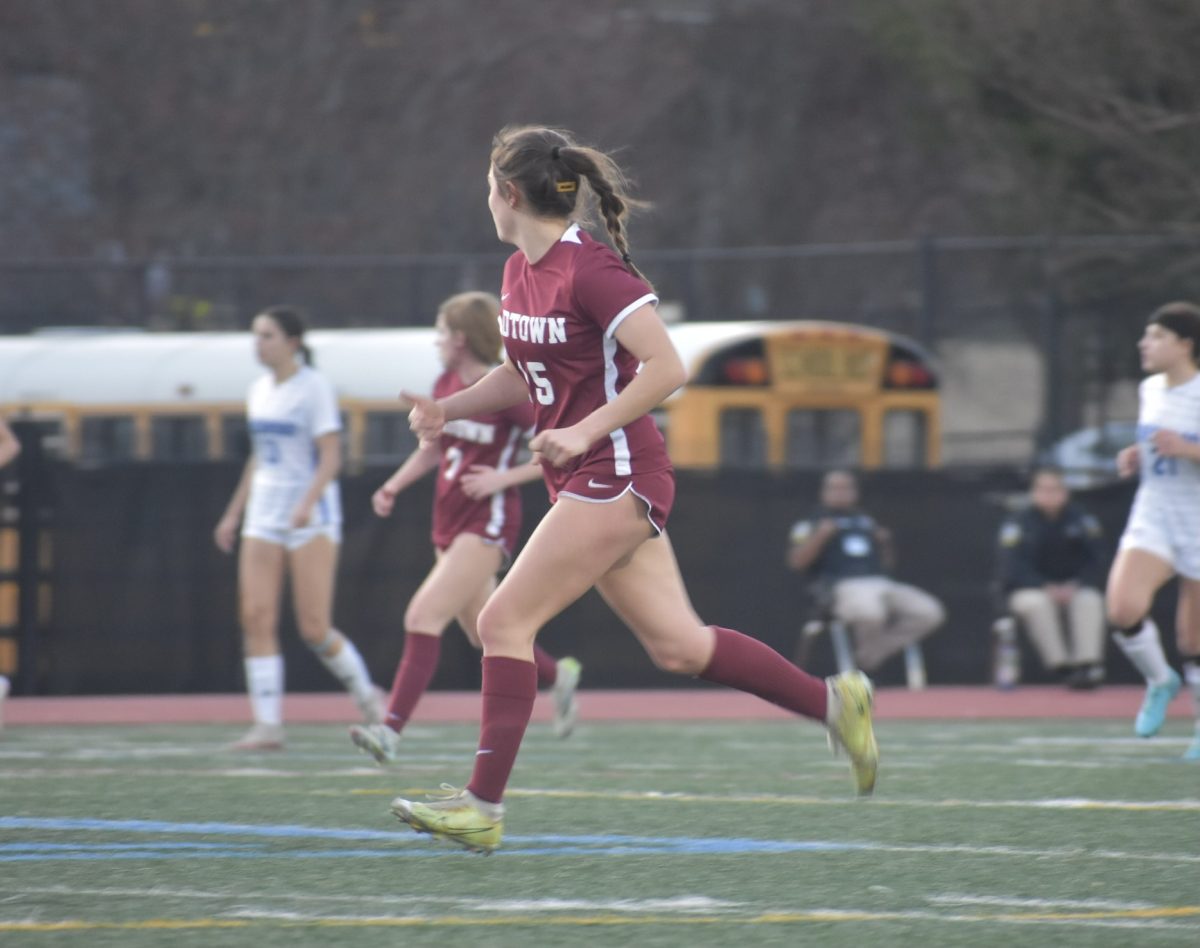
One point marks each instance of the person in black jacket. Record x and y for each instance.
(843, 547)
(1051, 567)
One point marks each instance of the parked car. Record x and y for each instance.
(1088, 457)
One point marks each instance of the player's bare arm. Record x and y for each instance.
(1128, 460)
(644, 336)
(225, 533)
(482, 480)
(501, 388)
(10, 447)
(423, 460)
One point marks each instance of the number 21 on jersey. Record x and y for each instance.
(534, 373)
(1164, 466)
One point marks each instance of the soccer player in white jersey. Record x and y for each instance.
(293, 521)
(1162, 538)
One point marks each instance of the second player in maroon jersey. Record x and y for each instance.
(476, 522)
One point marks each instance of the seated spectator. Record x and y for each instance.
(1051, 564)
(842, 546)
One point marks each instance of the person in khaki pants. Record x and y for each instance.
(1051, 563)
(844, 547)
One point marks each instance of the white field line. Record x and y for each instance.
(1088, 913)
(1064, 803)
(686, 903)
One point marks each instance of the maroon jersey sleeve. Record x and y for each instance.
(604, 290)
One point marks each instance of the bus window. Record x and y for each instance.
(387, 436)
(904, 436)
(178, 438)
(823, 438)
(108, 438)
(743, 439)
(235, 438)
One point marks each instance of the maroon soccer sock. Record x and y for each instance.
(417, 665)
(750, 665)
(509, 689)
(547, 667)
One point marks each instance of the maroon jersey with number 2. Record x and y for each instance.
(558, 318)
(490, 439)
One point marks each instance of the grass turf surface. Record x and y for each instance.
(646, 834)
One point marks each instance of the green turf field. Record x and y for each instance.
(1065, 833)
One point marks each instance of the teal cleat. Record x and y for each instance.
(1193, 751)
(1154, 707)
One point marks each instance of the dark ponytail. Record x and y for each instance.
(291, 323)
(551, 171)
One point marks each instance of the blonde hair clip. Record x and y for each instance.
(565, 187)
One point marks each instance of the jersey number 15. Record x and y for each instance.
(534, 373)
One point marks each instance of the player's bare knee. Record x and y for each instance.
(1125, 612)
(679, 658)
(419, 619)
(257, 618)
(497, 629)
(313, 630)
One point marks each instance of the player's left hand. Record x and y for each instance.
(426, 418)
(559, 445)
(481, 481)
(300, 516)
(1170, 444)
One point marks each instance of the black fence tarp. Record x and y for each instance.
(143, 602)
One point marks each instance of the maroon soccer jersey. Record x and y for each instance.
(558, 321)
(492, 440)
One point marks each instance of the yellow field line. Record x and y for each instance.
(456, 921)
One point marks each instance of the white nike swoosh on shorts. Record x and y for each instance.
(592, 483)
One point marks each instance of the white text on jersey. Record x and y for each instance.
(533, 328)
(474, 431)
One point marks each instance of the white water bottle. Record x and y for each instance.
(1006, 668)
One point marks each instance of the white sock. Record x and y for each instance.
(1145, 651)
(347, 666)
(264, 682)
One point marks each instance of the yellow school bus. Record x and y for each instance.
(761, 395)
(803, 394)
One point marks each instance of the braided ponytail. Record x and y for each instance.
(548, 166)
(608, 184)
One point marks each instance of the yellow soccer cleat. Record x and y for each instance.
(462, 819)
(566, 705)
(849, 720)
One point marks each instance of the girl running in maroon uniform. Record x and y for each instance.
(476, 521)
(578, 320)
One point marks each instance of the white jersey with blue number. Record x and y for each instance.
(1165, 519)
(1175, 481)
(285, 419)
